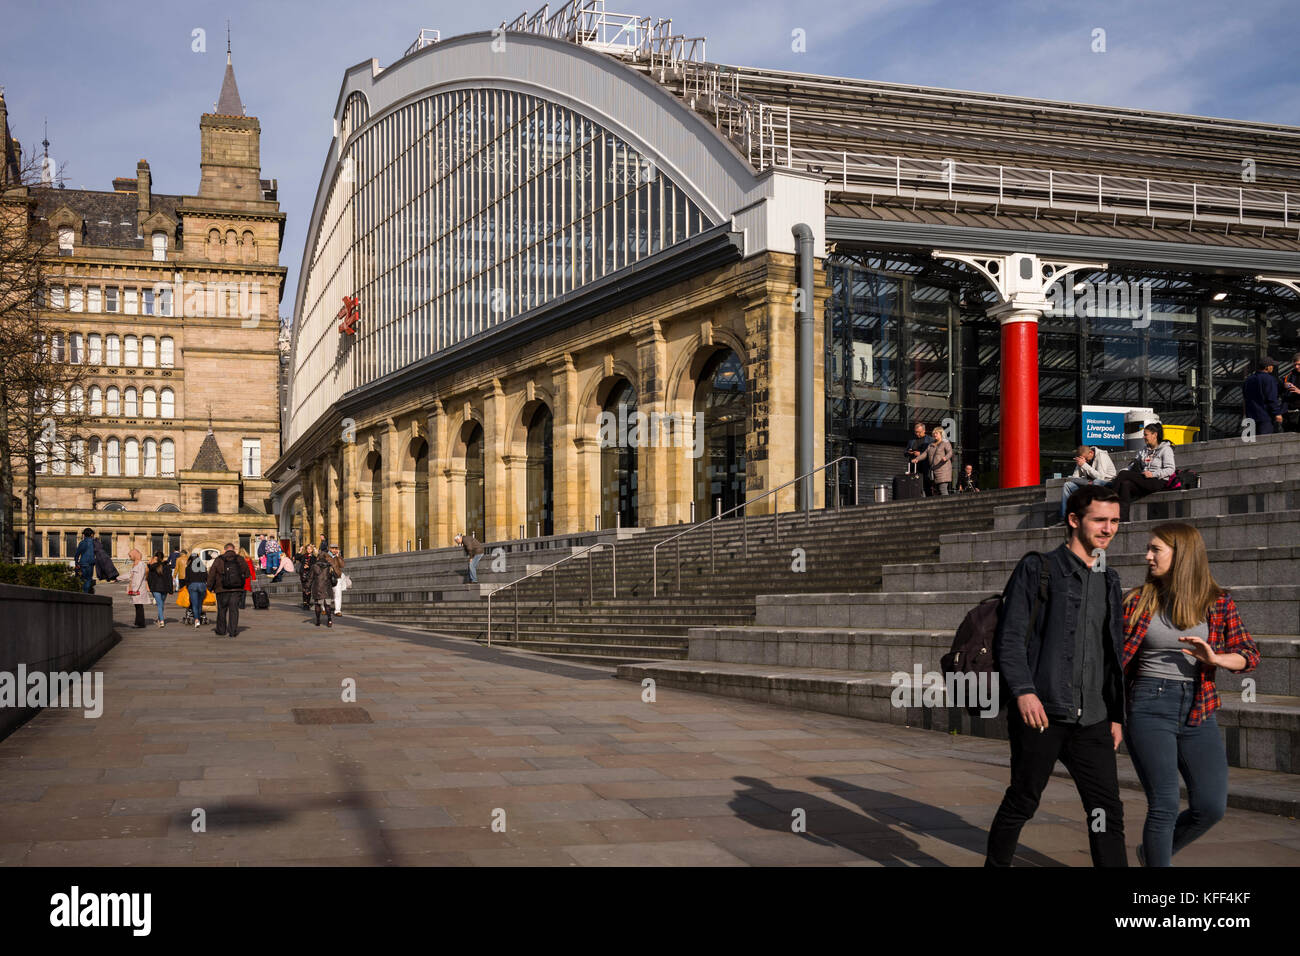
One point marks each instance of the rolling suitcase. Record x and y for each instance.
(910, 485)
(261, 600)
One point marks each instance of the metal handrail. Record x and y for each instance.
(744, 519)
(613, 545)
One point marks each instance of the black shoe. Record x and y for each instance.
(220, 633)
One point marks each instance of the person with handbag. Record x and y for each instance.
(938, 458)
(320, 583)
(137, 585)
(1180, 627)
(335, 559)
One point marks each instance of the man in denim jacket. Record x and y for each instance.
(1065, 680)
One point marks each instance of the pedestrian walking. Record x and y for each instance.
(226, 576)
(305, 562)
(915, 453)
(248, 582)
(196, 583)
(320, 584)
(85, 558)
(1180, 627)
(159, 580)
(137, 585)
(1061, 665)
(343, 581)
(474, 548)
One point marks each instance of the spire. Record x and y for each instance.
(229, 103)
(47, 176)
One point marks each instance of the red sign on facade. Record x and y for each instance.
(349, 315)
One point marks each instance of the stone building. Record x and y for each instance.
(171, 301)
(523, 235)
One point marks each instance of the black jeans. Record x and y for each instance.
(139, 615)
(1131, 485)
(228, 612)
(1089, 755)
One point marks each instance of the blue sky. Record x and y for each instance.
(120, 81)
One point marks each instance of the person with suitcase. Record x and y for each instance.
(915, 453)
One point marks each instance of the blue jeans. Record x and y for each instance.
(473, 568)
(87, 579)
(1074, 484)
(197, 594)
(159, 598)
(1163, 747)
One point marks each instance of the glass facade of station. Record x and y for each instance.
(908, 339)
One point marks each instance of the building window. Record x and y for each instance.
(70, 543)
(110, 299)
(96, 459)
(167, 404)
(252, 457)
(159, 246)
(65, 240)
(168, 459)
(149, 404)
(147, 299)
(245, 542)
(56, 352)
(113, 458)
(94, 349)
(94, 299)
(53, 538)
(149, 352)
(113, 402)
(130, 404)
(77, 400)
(58, 298)
(209, 501)
(156, 544)
(74, 348)
(77, 459)
(166, 352)
(131, 453)
(132, 351)
(165, 300)
(131, 301)
(114, 355)
(96, 400)
(38, 544)
(150, 458)
(76, 298)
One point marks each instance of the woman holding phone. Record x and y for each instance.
(1180, 628)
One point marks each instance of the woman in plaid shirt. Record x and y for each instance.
(1179, 627)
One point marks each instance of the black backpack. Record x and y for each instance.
(232, 575)
(972, 648)
(1183, 478)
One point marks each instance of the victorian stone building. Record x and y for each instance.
(171, 304)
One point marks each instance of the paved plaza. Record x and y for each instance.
(447, 738)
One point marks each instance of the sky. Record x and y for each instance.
(122, 81)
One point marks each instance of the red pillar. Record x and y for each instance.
(1018, 400)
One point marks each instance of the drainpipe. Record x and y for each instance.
(804, 421)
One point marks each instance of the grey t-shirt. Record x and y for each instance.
(1161, 655)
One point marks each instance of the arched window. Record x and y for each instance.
(74, 348)
(214, 244)
(77, 457)
(249, 248)
(96, 400)
(114, 351)
(113, 460)
(167, 404)
(166, 352)
(131, 455)
(114, 506)
(159, 246)
(232, 246)
(132, 351)
(65, 240)
(168, 458)
(57, 458)
(77, 400)
(169, 507)
(130, 404)
(60, 405)
(56, 341)
(149, 404)
(95, 349)
(113, 402)
(150, 458)
(95, 462)
(149, 352)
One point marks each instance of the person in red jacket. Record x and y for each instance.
(248, 582)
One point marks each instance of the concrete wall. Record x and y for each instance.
(47, 630)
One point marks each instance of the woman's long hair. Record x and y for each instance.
(1188, 592)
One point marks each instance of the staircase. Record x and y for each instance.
(838, 651)
(575, 615)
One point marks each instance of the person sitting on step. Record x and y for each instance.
(1148, 472)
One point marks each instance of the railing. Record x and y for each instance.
(587, 23)
(427, 37)
(613, 545)
(744, 521)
